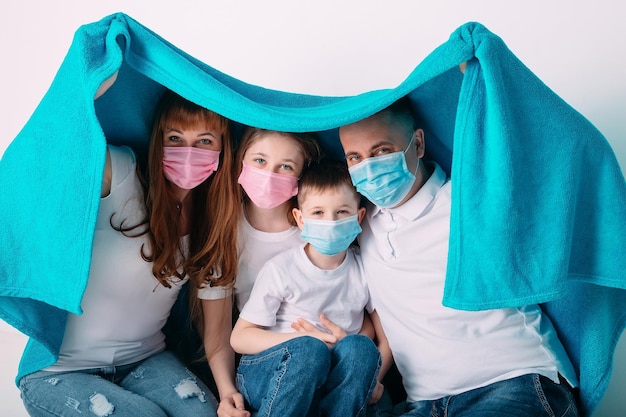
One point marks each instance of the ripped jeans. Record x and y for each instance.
(159, 386)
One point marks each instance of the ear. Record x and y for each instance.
(360, 214)
(420, 146)
(297, 215)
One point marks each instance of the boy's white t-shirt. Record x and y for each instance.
(289, 287)
(256, 248)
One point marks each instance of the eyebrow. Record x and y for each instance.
(171, 129)
(376, 145)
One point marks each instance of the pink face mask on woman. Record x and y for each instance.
(187, 166)
(267, 189)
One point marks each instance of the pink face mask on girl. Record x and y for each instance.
(267, 189)
(187, 166)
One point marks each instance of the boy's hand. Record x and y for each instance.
(304, 326)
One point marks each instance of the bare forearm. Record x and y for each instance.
(252, 340)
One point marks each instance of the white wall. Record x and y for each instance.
(329, 47)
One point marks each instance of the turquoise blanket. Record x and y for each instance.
(539, 200)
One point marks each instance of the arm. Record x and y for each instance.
(385, 354)
(249, 338)
(383, 345)
(108, 176)
(367, 329)
(217, 316)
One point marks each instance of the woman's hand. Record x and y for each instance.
(232, 406)
(377, 393)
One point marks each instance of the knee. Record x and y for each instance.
(312, 353)
(356, 344)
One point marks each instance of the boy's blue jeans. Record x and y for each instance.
(159, 386)
(303, 377)
(526, 395)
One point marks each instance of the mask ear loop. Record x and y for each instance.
(412, 141)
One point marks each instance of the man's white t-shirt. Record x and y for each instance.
(438, 350)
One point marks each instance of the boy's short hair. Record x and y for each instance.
(323, 175)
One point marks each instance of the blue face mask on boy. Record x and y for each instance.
(329, 237)
(384, 180)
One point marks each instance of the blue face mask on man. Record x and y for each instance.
(329, 237)
(384, 180)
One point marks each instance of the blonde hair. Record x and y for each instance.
(307, 142)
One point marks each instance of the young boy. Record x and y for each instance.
(299, 331)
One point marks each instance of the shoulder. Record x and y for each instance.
(122, 163)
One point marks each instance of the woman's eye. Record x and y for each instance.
(174, 138)
(205, 141)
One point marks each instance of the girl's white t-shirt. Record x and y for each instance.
(255, 249)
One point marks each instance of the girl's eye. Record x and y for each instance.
(286, 167)
(259, 161)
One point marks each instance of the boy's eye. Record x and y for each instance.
(317, 213)
(343, 211)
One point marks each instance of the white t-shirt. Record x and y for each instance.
(256, 248)
(289, 287)
(124, 306)
(438, 350)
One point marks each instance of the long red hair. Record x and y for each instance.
(212, 255)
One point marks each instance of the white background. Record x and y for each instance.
(328, 47)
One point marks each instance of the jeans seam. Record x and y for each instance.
(270, 401)
(542, 395)
(363, 408)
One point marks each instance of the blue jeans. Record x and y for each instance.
(303, 377)
(159, 386)
(524, 396)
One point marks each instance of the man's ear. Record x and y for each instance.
(297, 215)
(360, 214)
(420, 146)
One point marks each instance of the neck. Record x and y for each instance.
(326, 262)
(272, 220)
(185, 211)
